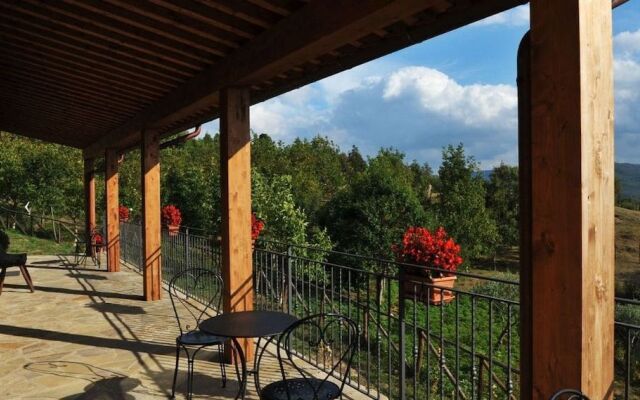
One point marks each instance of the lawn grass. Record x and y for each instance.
(20, 243)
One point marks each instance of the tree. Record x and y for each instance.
(462, 204)
(372, 213)
(503, 203)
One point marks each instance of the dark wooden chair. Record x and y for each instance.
(14, 261)
(569, 394)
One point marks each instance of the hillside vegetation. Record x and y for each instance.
(628, 250)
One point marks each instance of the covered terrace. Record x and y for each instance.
(110, 76)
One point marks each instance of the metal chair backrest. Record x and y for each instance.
(333, 337)
(569, 394)
(195, 294)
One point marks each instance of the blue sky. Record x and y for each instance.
(459, 87)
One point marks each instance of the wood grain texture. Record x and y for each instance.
(111, 180)
(235, 169)
(89, 202)
(151, 224)
(572, 233)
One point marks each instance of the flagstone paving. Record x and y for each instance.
(87, 334)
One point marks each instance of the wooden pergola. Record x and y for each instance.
(106, 76)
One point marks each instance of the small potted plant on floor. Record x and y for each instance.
(172, 218)
(257, 225)
(123, 212)
(431, 258)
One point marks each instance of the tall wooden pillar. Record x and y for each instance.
(235, 168)
(89, 202)
(151, 227)
(113, 218)
(570, 242)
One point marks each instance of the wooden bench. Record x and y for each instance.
(12, 261)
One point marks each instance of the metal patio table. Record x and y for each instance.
(246, 325)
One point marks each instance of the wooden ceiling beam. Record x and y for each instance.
(281, 9)
(246, 11)
(314, 30)
(71, 19)
(48, 31)
(178, 21)
(38, 133)
(76, 64)
(18, 28)
(43, 82)
(162, 27)
(24, 60)
(211, 17)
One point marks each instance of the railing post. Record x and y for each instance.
(289, 280)
(401, 341)
(187, 244)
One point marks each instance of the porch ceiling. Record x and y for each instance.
(92, 74)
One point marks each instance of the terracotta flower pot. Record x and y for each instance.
(173, 230)
(433, 290)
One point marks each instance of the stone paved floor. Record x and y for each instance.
(86, 334)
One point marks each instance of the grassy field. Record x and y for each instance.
(20, 243)
(628, 250)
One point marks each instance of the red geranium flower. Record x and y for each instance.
(257, 225)
(123, 212)
(171, 215)
(436, 250)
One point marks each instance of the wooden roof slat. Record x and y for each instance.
(24, 63)
(210, 16)
(37, 36)
(196, 27)
(279, 8)
(162, 27)
(92, 46)
(244, 10)
(112, 98)
(95, 25)
(75, 65)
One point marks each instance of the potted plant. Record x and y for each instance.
(257, 225)
(172, 218)
(123, 212)
(432, 257)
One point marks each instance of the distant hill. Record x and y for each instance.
(629, 175)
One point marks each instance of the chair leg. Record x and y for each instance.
(27, 277)
(3, 272)
(223, 370)
(175, 372)
(190, 378)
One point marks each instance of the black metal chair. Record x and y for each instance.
(569, 394)
(195, 294)
(334, 338)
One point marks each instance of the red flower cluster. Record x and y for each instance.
(422, 247)
(123, 212)
(257, 225)
(171, 215)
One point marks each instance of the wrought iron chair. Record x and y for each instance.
(195, 294)
(569, 394)
(334, 337)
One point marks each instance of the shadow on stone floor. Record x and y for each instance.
(87, 293)
(117, 308)
(81, 275)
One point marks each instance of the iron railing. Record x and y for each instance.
(410, 347)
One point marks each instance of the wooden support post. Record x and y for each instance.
(113, 217)
(89, 202)
(151, 227)
(569, 276)
(235, 168)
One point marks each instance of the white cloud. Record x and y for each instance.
(627, 43)
(626, 72)
(518, 16)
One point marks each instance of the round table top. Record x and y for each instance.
(248, 324)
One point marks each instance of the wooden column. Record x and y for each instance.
(151, 226)
(113, 218)
(570, 244)
(89, 202)
(235, 168)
